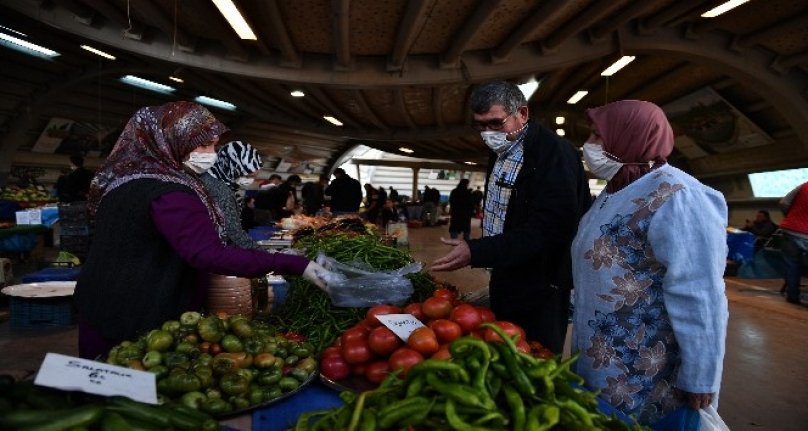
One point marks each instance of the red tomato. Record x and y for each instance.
(509, 328)
(376, 310)
(480, 333)
(334, 367)
(543, 353)
(294, 336)
(522, 346)
(486, 314)
(445, 294)
(377, 371)
(356, 351)
(467, 317)
(442, 353)
(358, 369)
(355, 333)
(446, 330)
(416, 310)
(383, 341)
(423, 341)
(404, 359)
(437, 308)
(331, 351)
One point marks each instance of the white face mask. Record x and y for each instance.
(496, 141)
(244, 181)
(600, 165)
(200, 162)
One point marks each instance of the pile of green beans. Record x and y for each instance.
(485, 386)
(308, 309)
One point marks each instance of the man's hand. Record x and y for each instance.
(459, 257)
(698, 401)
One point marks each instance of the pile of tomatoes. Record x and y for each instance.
(372, 350)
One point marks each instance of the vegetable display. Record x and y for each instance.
(308, 309)
(486, 385)
(218, 363)
(24, 406)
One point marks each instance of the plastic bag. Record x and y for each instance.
(357, 285)
(710, 421)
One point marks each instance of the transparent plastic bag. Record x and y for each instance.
(356, 285)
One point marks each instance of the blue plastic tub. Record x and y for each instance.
(52, 274)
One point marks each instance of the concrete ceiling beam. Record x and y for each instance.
(408, 30)
(671, 12)
(341, 11)
(131, 28)
(290, 58)
(584, 20)
(634, 10)
(359, 96)
(437, 105)
(402, 108)
(545, 11)
(461, 39)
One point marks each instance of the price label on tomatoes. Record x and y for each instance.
(401, 324)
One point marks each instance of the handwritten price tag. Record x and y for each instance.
(401, 324)
(76, 374)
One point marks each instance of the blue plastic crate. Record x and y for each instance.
(261, 233)
(41, 312)
(52, 274)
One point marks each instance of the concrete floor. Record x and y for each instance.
(765, 382)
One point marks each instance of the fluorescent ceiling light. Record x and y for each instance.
(617, 65)
(470, 163)
(406, 150)
(723, 7)
(528, 88)
(297, 93)
(13, 31)
(26, 47)
(577, 97)
(559, 120)
(145, 84)
(332, 120)
(176, 79)
(235, 19)
(216, 103)
(560, 132)
(98, 52)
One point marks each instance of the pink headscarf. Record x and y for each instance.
(634, 131)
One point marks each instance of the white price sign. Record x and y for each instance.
(401, 324)
(76, 374)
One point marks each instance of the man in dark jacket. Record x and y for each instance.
(536, 193)
(75, 185)
(345, 193)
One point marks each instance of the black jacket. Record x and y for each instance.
(461, 205)
(346, 194)
(550, 195)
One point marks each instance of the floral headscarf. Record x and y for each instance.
(635, 132)
(153, 145)
(235, 159)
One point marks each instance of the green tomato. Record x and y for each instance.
(288, 384)
(152, 359)
(193, 399)
(242, 328)
(216, 406)
(272, 393)
(190, 318)
(211, 329)
(159, 340)
(159, 371)
(232, 344)
(234, 384)
(270, 377)
(204, 359)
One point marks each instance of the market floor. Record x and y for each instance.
(765, 382)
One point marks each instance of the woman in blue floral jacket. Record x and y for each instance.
(650, 309)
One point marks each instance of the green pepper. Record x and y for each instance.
(159, 340)
(152, 359)
(270, 377)
(193, 399)
(175, 360)
(232, 344)
(234, 384)
(183, 382)
(242, 328)
(211, 329)
(288, 384)
(253, 346)
(190, 318)
(170, 326)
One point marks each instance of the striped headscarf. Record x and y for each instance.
(153, 145)
(235, 159)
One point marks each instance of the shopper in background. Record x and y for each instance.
(795, 238)
(248, 214)
(236, 165)
(461, 206)
(283, 199)
(344, 194)
(374, 201)
(263, 199)
(393, 195)
(477, 201)
(537, 192)
(157, 230)
(313, 194)
(762, 227)
(650, 309)
(428, 203)
(75, 185)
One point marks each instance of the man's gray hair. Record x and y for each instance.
(493, 93)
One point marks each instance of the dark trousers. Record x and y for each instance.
(544, 319)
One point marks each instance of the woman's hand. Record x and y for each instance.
(314, 273)
(698, 401)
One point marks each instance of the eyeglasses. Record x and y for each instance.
(496, 124)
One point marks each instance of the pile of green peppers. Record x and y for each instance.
(484, 386)
(219, 364)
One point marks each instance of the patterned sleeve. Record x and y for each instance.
(688, 236)
(226, 200)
